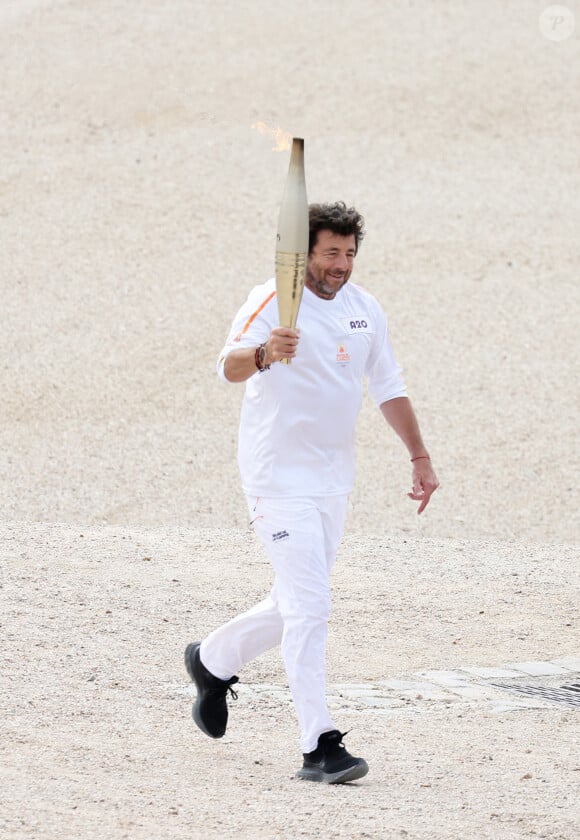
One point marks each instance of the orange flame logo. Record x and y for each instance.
(283, 139)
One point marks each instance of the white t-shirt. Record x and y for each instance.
(297, 423)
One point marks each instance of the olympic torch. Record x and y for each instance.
(292, 240)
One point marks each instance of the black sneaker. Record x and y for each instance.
(210, 710)
(331, 763)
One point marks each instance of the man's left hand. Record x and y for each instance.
(424, 483)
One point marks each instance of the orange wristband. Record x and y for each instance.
(419, 457)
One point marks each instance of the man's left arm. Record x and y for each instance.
(400, 415)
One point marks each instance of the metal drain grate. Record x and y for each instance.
(567, 694)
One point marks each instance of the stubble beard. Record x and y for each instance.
(320, 289)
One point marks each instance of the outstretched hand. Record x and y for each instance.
(425, 483)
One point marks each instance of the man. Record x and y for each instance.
(296, 458)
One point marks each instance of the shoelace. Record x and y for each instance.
(336, 742)
(222, 690)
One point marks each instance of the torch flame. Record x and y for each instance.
(283, 139)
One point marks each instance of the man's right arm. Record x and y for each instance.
(240, 364)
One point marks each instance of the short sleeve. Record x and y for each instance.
(385, 375)
(252, 324)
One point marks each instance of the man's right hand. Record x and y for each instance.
(282, 344)
(240, 364)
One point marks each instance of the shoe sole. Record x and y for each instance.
(357, 771)
(189, 656)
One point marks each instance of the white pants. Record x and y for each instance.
(301, 538)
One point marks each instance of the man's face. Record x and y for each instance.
(330, 264)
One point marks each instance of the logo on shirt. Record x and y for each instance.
(280, 535)
(342, 354)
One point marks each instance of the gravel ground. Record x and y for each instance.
(98, 739)
(137, 205)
